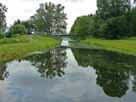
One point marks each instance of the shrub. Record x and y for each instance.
(115, 28)
(18, 29)
(1, 35)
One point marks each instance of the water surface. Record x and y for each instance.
(70, 75)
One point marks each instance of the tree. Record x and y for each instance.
(30, 27)
(81, 26)
(60, 17)
(3, 10)
(112, 8)
(50, 18)
(114, 19)
(132, 21)
(18, 29)
(18, 21)
(86, 25)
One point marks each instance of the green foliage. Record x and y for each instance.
(29, 26)
(112, 28)
(119, 16)
(96, 25)
(114, 19)
(50, 18)
(112, 8)
(18, 29)
(115, 28)
(86, 25)
(81, 26)
(3, 10)
(131, 19)
(1, 35)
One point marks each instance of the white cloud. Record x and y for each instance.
(23, 9)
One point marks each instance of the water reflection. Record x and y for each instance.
(114, 82)
(92, 75)
(49, 64)
(3, 72)
(112, 69)
(133, 72)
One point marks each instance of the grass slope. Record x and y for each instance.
(12, 48)
(127, 46)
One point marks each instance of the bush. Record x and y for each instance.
(115, 28)
(18, 29)
(1, 35)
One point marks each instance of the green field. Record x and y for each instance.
(13, 48)
(127, 46)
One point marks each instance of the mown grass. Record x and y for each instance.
(127, 46)
(14, 48)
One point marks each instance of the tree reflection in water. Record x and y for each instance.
(133, 72)
(114, 82)
(3, 72)
(113, 70)
(51, 63)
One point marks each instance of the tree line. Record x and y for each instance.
(114, 19)
(49, 18)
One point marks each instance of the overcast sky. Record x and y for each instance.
(23, 9)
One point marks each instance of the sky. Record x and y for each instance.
(23, 9)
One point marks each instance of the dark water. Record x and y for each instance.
(70, 75)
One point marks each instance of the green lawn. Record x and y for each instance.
(13, 48)
(127, 46)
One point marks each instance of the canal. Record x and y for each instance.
(70, 75)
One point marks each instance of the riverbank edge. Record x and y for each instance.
(100, 45)
(23, 49)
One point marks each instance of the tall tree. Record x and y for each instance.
(60, 17)
(3, 10)
(50, 18)
(112, 8)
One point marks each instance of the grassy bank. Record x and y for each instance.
(13, 48)
(127, 46)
